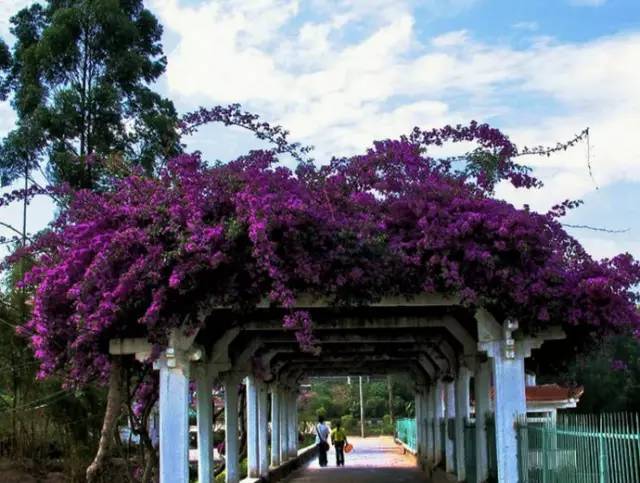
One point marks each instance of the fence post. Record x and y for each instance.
(522, 455)
(545, 454)
(450, 408)
(602, 457)
(482, 389)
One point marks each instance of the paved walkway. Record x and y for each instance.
(373, 460)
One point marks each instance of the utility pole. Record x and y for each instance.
(361, 410)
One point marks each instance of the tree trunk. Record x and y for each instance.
(114, 404)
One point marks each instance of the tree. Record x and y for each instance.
(79, 78)
(610, 374)
(5, 63)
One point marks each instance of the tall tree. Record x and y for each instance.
(5, 63)
(79, 78)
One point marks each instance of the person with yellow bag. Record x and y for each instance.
(339, 440)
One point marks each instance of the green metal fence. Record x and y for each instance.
(470, 450)
(406, 433)
(580, 449)
(443, 439)
(451, 436)
(492, 455)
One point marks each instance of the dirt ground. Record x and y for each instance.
(10, 472)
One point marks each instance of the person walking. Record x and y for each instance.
(322, 440)
(339, 440)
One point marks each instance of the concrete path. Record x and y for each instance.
(373, 460)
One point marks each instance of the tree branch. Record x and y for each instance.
(13, 229)
(595, 228)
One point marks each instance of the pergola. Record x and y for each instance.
(440, 343)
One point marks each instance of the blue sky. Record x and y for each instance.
(340, 73)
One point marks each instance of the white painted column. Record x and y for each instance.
(275, 425)
(462, 414)
(428, 423)
(232, 458)
(510, 403)
(284, 426)
(204, 386)
(450, 408)
(507, 362)
(252, 426)
(482, 388)
(437, 419)
(174, 421)
(263, 430)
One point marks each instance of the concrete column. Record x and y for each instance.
(428, 423)
(275, 425)
(294, 426)
(450, 413)
(293, 438)
(263, 430)
(288, 425)
(284, 426)
(482, 387)
(204, 386)
(174, 421)
(510, 403)
(462, 414)
(252, 427)
(438, 416)
(232, 459)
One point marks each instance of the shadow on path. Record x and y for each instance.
(373, 460)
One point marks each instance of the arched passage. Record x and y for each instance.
(435, 340)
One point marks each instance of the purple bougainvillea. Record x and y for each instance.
(153, 254)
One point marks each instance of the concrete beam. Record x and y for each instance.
(306, 301)
(446, 323)
(129, 346)
(219, 360)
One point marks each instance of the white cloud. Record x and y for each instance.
(457, 37)
(356, 70)
(7, 118)
(339, 96)
(8, 8)
(528, 26)
(600, 247)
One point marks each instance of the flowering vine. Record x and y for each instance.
(153, 254)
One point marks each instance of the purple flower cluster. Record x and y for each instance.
(157, 253)
(618, 365)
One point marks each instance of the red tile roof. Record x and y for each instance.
(552, 392)
(548, 393)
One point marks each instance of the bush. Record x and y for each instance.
(387, 425)
(348, 423)
(243, 472)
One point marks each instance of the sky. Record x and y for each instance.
(341, 73)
